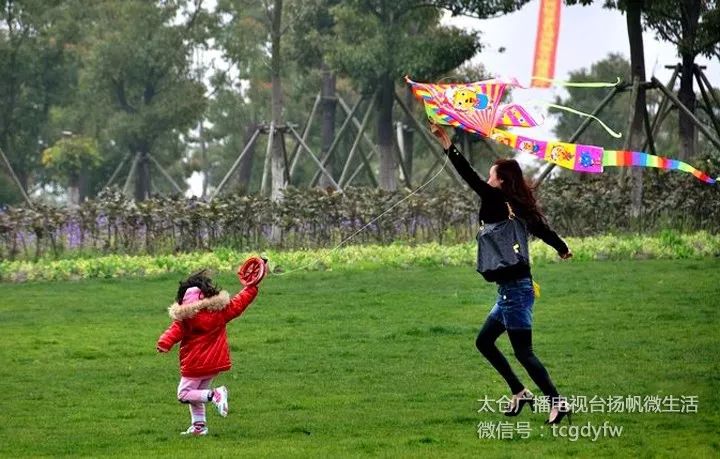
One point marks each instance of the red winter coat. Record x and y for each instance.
(200, 328)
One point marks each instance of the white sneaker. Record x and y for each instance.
(196, 429)
(220, 400)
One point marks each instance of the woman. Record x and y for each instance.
(506, 193)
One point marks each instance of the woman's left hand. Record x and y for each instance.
(566, 255)
(441, 135)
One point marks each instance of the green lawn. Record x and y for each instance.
(363, 363)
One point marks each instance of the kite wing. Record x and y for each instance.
(473, 107)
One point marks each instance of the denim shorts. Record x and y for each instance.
(514, 306)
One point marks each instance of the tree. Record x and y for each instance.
(378, 42)
(137, 77)
(37, 72)
(277, 166)
(67, 159)
(256, 33)
(232, 120)
(310, 38)
(237, 105)
(693, 26)
(633, 10)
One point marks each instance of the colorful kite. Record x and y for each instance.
(476, 108)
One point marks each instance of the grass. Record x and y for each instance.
(362, 363)
(666, 245)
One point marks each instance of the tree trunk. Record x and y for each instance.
(84, 184)
(142, 177)
(246, 164)
(204, 159)
(637, 68)
(277, 161)
(327, 128)
(690, 16)
(388, 164)
(408, 134)
(686, 95)
(73, 191)
(73, 196)
(277, 164)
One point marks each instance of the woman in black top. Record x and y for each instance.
(513, 309)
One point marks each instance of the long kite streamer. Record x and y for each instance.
(591, 158)
(475, 107)
(546, 41)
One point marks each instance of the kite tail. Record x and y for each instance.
(620, 158)
(617, 135)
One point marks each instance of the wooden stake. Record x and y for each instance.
(236, 163)
(336, 140)
(690, 114)
(15, 178)
(165, 174)
(312, 155)
(361, 130)
(266, 166)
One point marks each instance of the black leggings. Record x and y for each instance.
(521, 341)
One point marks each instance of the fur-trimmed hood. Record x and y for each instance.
(186, 311)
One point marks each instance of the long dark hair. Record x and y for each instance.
(518, 190)
(201, 280)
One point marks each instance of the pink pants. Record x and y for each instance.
(196, 392)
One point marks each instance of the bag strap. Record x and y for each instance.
(511, 214)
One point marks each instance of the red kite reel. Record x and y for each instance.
(252, 271)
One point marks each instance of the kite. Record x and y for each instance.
(476, 108)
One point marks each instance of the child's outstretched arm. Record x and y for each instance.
(172, 335)
(240, 302)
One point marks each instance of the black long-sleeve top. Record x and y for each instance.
(493, 209)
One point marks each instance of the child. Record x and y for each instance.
(199, 318)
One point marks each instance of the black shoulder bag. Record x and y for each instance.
(502, 244)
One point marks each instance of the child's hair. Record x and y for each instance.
(200, 280)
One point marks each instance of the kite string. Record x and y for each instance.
(371, 221)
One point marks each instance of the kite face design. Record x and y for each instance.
(528, 146)
(558, 154)
(465, 99)
(501, 138)
(586, 159)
